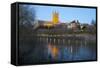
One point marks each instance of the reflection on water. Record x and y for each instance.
(52, 51)
(45, 49)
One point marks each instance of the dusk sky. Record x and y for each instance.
(66, 14)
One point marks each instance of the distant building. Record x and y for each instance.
(49, 24)
(57, 24)
(55, 20)
(55, 17)
(73, 25)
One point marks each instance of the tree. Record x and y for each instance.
(93, 27)
(93, 22)
(26, 15)
(26, 18)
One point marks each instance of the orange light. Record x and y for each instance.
(55, 51)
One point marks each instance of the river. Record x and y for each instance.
(52, 49)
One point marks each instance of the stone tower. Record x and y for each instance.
(55, 17)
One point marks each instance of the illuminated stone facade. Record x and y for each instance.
(55, 18)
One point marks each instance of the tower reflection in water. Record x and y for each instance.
(56, 49)
(70, 50)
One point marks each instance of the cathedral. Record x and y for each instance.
(48, 24)
(54, 21)
(55, 17)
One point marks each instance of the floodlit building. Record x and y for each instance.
(55, 18)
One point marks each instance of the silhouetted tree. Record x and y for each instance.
(26, 18)
(93, 22)
(26, 15)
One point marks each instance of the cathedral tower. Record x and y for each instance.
(55, 18)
